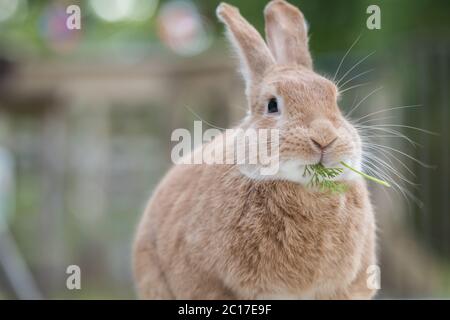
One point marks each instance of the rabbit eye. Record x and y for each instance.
(272, 107)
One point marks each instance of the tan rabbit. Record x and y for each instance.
(216, 232)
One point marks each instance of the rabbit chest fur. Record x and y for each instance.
(249, 239)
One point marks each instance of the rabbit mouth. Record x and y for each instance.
(294, 169)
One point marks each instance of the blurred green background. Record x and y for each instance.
(86, 117)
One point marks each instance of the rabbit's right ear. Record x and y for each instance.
(286, 34)
(254, 54)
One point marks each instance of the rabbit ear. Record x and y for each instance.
(254, 54)
(286, 34)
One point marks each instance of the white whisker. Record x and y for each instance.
(389, 109)
(384, 152)
(354, 66)
(357, 76)
(408, 127)
(200, 118)
(392, 169)
(374, 120)
(362, 101)
(345, 56)
(390, 131)
(407, 155)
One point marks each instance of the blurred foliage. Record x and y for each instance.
(333, 24)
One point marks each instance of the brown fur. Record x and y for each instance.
(210, 232)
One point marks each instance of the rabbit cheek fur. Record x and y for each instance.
(211, 232)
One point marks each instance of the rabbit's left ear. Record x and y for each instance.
(286, 34)
(253, 52)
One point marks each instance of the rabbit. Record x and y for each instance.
(214, 231)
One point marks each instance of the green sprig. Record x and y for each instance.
(384, 183)
(321, 177)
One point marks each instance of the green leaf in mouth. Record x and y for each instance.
(384, 183)
(321, 177)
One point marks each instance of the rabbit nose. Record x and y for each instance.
(322, 144)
